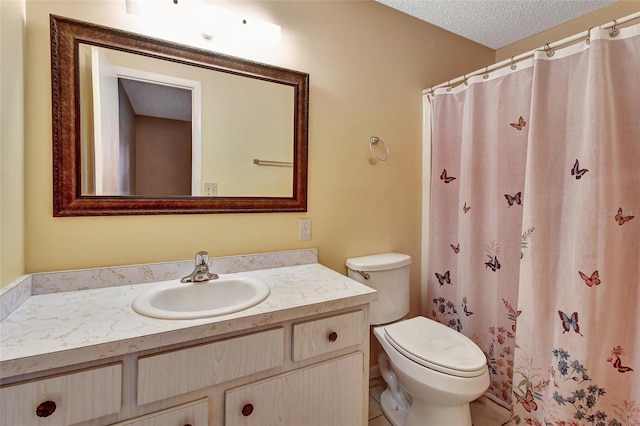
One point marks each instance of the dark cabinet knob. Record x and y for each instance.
(333, 336)
(247, 410)
(46, 409)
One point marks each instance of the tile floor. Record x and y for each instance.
(483, 411)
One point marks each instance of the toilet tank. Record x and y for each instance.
(388, 273)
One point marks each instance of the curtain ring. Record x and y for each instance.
(448, 85)
(614, 31)
(464, 79)
(588, 40)
(513, 64)
(486, 73)
(550, 52)
(373, 141)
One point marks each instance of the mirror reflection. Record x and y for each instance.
(156, 128)
(232, 139)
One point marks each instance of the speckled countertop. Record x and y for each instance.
(57, 329)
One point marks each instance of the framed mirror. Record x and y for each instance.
(146, 126)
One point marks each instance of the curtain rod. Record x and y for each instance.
(529, 54)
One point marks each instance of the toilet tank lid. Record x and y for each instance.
(379, 262)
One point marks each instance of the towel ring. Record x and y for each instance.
(373, 141)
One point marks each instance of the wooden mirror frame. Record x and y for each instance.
(66, 35)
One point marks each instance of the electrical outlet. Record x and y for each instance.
(305, 229)
(210, 189)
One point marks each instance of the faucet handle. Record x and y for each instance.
(202, 258)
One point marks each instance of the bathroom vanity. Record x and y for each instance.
(85, 357)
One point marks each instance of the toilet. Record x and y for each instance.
(432, 371)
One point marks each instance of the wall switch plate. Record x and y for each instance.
(210, 189)
(305, 229)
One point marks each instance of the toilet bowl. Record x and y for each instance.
(432, 371)
(437, 368)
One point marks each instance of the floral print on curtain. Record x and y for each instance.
(479, 152)
(534, 241)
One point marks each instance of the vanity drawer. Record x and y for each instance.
(194, 414)
(184, 370)
(64, 399)
(317, 337)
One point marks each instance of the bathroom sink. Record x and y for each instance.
(176, 300)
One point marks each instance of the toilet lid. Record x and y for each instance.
(437, 347)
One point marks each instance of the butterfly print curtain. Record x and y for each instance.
(534, 237)
(476, 216)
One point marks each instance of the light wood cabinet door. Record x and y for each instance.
(326, 394)
(63, 400)
(193, 414)
(184, 370)
(324, 335)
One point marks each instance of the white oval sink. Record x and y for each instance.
(176, 300)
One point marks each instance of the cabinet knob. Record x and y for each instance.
(333, 336)
(247, 410)
(46, 409)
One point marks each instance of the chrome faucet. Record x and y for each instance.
(201, 272)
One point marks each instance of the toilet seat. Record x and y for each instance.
(436, 346)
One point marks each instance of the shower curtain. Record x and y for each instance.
(534, 237)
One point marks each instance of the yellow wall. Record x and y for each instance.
(12, 28)
(368, 65)
(601, 16)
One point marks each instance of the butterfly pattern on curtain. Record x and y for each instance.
(584, 394)
(577, 342)
(474, 271)
(534, 245)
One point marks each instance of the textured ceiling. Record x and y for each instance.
(496, 23)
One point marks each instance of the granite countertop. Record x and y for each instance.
(60, 329)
